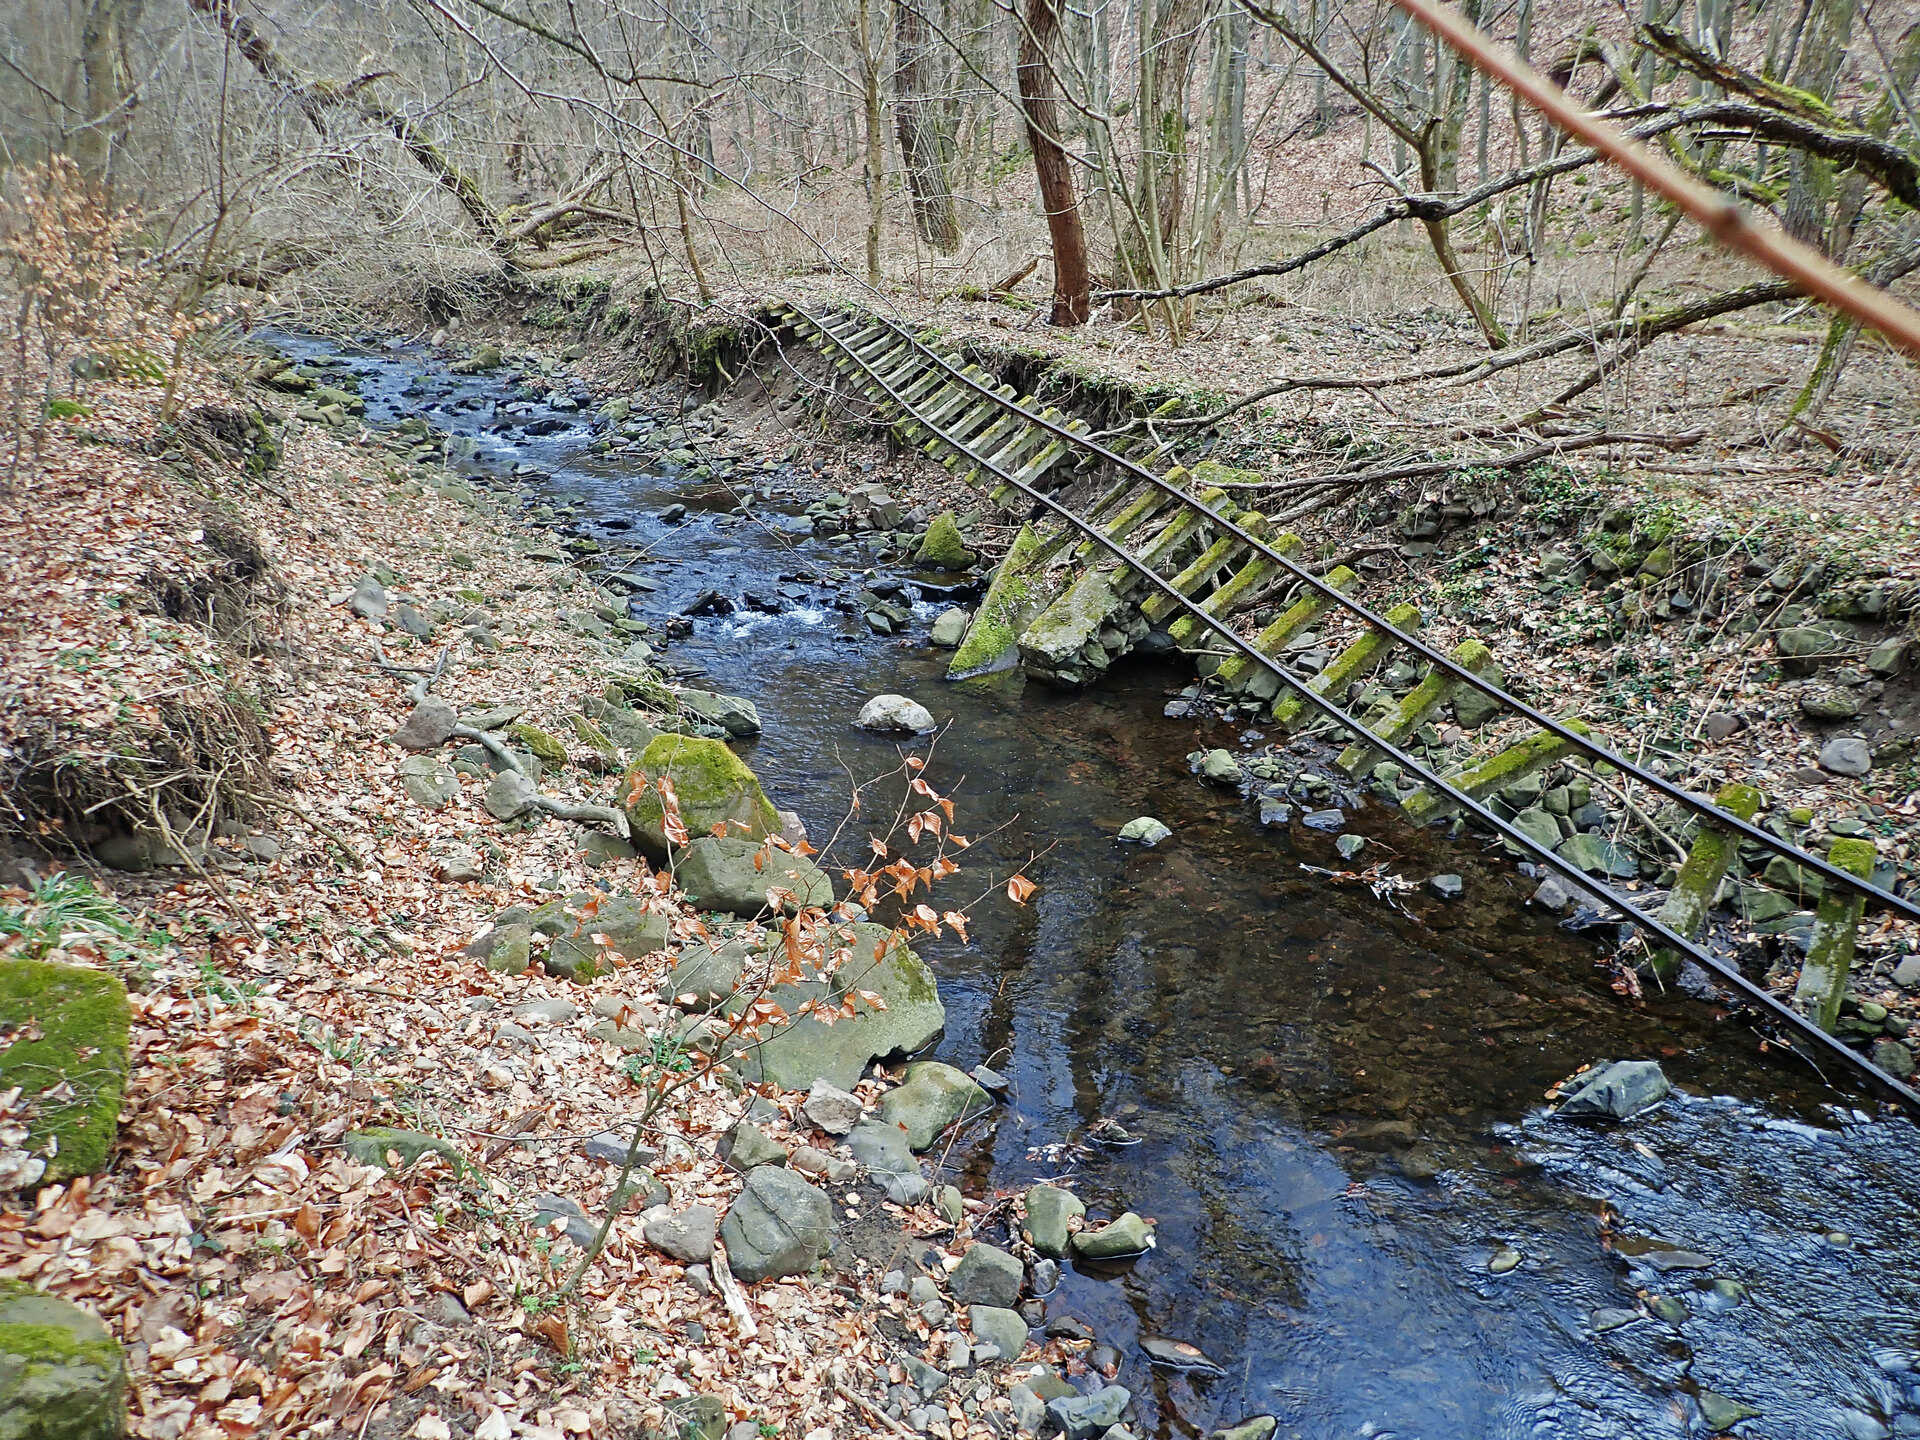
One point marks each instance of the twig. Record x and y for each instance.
(325, 831)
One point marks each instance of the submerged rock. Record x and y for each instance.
(1616, 1089)
(1178, 1355)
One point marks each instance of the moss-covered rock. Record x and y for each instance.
(62, 1376)
(944, 548)
(68, 1026)
(712, 785)
(542, 745)
(1017, 593)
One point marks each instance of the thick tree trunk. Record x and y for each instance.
(924, 124)
(1072, 281)
(1810, 179)
(110, 84)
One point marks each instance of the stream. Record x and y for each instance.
(1334, 1105)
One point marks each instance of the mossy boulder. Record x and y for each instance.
(376, 1143)
(1017, 593)
(944, 548)
(68, 1027)
(807, 1050)
(545, 747)
(711, 783)
(62, 1375)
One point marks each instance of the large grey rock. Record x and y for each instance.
(430, 784)
(622, 925)
(884, 1151)
(1221, 768)
(509, 796)
(933, 1096)
(1846, 755)
(1616, 1089)
(1050, 1211)
(987, 1275)
(779, 1225)
(895, 715)
(62, 1374)
(428, 727)
(735, 874)
(950, 629)
(580, 1227)
(707, 975)
(373, 1145)
(1082, 1417)
(736, 716)
(369, 599)
(797, 1054)
(686, 1235)
(999, 1327)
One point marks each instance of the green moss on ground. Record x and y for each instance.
(68, 1026)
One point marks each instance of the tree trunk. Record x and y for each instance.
(1810, 179)
(1072, 281)
(1170, 33)
(874, 119)
(110, 84)
(924, 123)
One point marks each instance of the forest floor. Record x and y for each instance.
(303, 977)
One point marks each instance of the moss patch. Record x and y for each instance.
(1013, 598)
(68, 1027)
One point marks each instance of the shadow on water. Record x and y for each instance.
(1335, 1106)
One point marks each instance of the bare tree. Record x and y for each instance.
(1034, 70)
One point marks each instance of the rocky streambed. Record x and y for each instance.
(1325, 1113)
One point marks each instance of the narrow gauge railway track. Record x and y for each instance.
(1148, 522)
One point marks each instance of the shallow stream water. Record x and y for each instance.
(1335, 1105)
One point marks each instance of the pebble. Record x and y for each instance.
(1504, 1259)
(1447, 887)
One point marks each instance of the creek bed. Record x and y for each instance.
(1333, 1105)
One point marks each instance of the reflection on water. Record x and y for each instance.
(1335, 1105)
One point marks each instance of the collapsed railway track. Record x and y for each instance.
(1186, 559)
